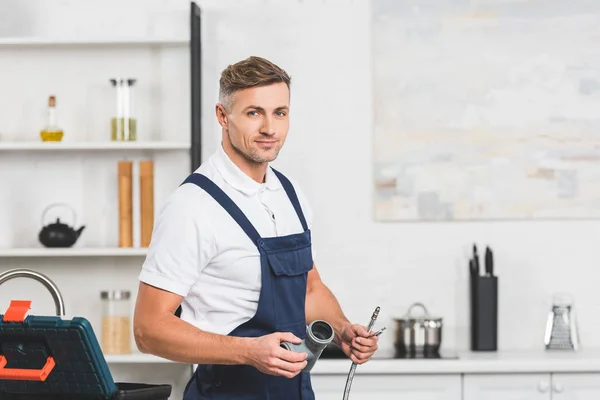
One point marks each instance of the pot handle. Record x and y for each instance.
(49, 207)
(409, 312)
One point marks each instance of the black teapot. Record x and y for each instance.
(58, 234)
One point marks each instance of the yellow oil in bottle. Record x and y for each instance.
(51, 136)
(123, 129)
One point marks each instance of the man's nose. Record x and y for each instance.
(268, 127)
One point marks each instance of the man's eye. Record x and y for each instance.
(252, 113)
(281, 114)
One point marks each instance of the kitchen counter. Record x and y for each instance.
(385, 377)
(471, 362)
(532, 361)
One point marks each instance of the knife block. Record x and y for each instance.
(484, 313)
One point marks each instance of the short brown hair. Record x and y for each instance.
(251, 72)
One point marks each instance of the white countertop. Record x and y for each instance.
(472, 362)
(515, 361)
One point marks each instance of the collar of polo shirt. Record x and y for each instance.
(237, 179)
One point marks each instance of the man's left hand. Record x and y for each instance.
(356, 343)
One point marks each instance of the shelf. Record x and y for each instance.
(40, 41)
(73, 252)
(135, 358)
(91, 146)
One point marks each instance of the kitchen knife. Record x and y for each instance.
(489, 262)
(472, 270)
(475, 260)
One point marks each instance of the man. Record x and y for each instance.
(232, 246)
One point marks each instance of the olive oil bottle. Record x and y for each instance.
(51, 132)
(123, 125)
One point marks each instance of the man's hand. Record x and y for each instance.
(356, 343)
(267, 355)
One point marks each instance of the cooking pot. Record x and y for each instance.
(418, 334)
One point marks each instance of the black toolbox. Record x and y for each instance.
(49, 358)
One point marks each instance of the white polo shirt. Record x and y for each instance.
(198, 251)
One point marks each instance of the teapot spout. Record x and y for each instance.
(78, 231)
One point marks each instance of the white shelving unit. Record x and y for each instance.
(91, 146)
(136, 358)
(34, 252)
(79, 146)
(34, 41)
(81, 169)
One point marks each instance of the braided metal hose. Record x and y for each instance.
(353, 366)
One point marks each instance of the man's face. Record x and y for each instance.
(257, 122)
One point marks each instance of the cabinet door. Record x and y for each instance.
(507, 387)
(578, 386)
(389, 387)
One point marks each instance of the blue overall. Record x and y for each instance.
(285, 262)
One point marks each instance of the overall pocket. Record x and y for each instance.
(290, 269)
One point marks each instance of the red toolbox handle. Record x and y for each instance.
(18, 374)
(17, 310)
(16, 313)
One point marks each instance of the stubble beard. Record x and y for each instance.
(252, 155)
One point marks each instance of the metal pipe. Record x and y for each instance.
(43, 279)
(318, 335)
(353, 366)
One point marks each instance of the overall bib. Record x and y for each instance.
(285, 262)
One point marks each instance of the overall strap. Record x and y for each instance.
(225, 201)
(289, 189)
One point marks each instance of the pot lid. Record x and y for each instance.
(58, 226)
(423, 317)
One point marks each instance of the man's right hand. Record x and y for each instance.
(267, 355)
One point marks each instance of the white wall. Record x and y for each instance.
(325, 45)
(394, 264)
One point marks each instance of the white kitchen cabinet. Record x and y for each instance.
(575, 386)
(507, 387)
(389, 387)
(555, 386)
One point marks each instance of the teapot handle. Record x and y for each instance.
(57, 205)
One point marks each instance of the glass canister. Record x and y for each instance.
(123, 124)
(116, 322)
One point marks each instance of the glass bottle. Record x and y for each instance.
(51, 132)
(116, 323)
(123, 124)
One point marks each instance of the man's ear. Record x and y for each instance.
(221, 115)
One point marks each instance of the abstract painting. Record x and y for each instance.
(486, 110)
